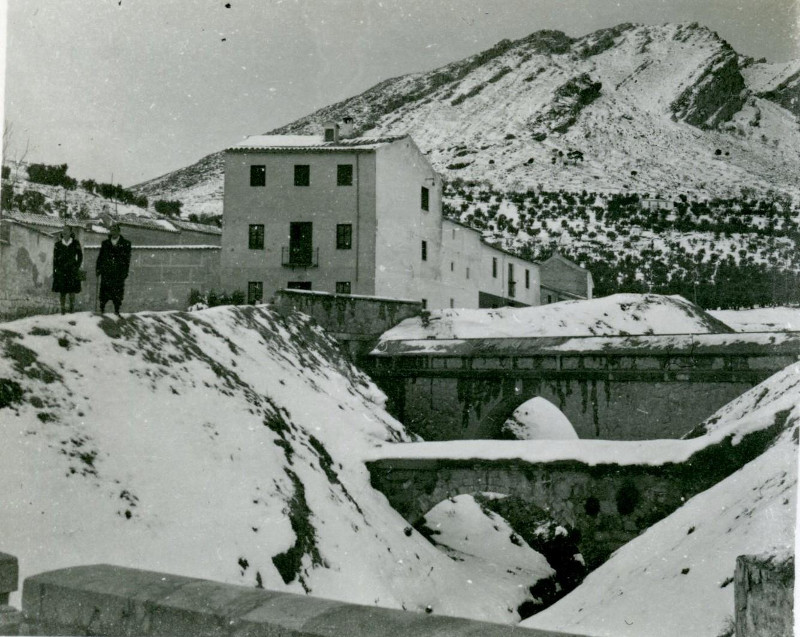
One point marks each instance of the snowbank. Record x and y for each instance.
(619, 314)
(539, 419)
(225, 444)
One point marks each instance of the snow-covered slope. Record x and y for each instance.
(676, 578)
(619, 314)
(223, 444)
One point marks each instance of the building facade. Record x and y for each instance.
(356, 216)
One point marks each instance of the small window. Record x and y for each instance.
(343, 287)
(424, 304)
(452, 303)
(255, 292)
(344, 175)
(494, 267)
(467, 271)
(258, 175)
(454, 233)
(302, 175)
(330, 134)
(255, 237)
(452, 266)
(344, 236)
(299, 285)
(424, 250)
(424, 198)
(549, 298)
(527, 279)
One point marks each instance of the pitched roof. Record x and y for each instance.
(33, 219)
(310, 143)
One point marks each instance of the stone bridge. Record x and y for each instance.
(601, 488)
(615, 388)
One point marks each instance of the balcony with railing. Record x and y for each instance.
(304, 257)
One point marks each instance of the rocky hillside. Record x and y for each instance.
(640, 108)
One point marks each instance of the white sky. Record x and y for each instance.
(136, 88)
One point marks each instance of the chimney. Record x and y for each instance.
(346, 127)
(331, 132)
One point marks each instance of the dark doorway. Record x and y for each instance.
(300, 250)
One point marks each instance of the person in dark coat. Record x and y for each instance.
(112, 268)
(67, 259)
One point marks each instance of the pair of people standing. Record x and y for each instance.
(111, 268)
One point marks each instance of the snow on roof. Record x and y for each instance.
(136, 221)
(311, 142)
(196, 227)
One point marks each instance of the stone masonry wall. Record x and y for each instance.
(355, 321)
(159, 279)
(764, 596)
(609, 504)
(462, 408)
(111, 600)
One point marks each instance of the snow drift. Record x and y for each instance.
(224, 444)
(619, 314)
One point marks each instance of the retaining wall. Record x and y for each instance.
(764, 593)
(355, 321)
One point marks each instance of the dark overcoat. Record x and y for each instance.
(67, 261)
(112, 267)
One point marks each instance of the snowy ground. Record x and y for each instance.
(230, 443)
(619, 314)
(223, 444)
(766, 319)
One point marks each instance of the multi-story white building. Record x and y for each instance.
(356, 216)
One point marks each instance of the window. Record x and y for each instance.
(424, 198)
(424, 304)
(549, 298)
(344, 236)
(255, 237)
(255, 292)
(527, 279)
(343, 287)
(344, 175)
(452, 266)
(299, 285)
(512, 284)
(452, 303)
(467, 271)
(330, 134)
(302, 175)
(258, 175)
(424, 250)
(494, 267)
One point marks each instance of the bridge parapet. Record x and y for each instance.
(608, 495)
(111, 600)
(618, 388)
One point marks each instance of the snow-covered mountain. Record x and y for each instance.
(656, 109)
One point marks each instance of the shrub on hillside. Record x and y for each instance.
(169, 208)
(212, 298)
(51, 176)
